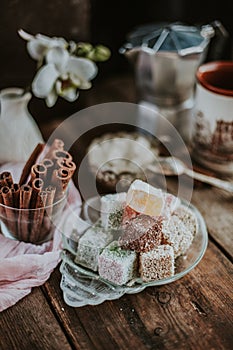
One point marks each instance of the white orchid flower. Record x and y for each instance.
(39, 44)
(63, 75)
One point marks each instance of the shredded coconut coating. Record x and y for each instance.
(142, 233)
(188, 218)
(176, 234)
(171, 204)
(157, 263)
(117, 265)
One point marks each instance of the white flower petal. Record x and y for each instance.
(58, 87)
(70, 94)
(58, 57)
(72, 46)
(36, 50)
(52, 42)
(85, 85)
(75, 79)
(44, 80)
(64, 76)
(51, 99)
(25, 35)
(79, 83)
(82, 67)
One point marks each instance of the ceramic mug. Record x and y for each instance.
(212, 131)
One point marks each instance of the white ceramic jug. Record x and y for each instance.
(19, 133)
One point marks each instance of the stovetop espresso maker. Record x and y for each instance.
(165, 57)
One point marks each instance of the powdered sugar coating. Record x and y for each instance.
(142, 233)
(112, 210)
(144, 198)
(116, 264)
(157, 264)
(91, 245)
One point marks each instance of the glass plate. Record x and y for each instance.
(81, 286)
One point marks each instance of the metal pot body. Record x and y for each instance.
(165, 78)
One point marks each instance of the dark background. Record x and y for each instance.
(99, 21)
(112, 20)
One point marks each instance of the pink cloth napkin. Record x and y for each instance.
(25, 265)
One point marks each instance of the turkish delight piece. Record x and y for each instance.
(176, 234)
(90, 246)
(145, 199)
(117, 265)
(128, 214)
(157, 263)
(141, 233)
(188, 217)
(112, 206)
(171, 203)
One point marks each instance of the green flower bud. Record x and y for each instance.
(83, 49)
(100, 53)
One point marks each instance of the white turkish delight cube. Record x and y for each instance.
(112, 206)
(117, 265)
(176, 234)
(171, 204)
(90, 246)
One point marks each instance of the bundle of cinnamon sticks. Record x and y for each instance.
(27, 206)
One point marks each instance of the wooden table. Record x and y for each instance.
(195, 312)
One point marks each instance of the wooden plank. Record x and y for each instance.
(217, 210)
(30, 324)
(195, 312)
(68, 316)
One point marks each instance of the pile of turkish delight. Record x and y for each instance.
(139, 234)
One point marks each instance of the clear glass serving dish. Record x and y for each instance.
(82, 286)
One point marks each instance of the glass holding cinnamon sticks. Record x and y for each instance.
(31, 209)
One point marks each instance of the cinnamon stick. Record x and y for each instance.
(60, 180)
(37, 171)
(15, 189)
(24, 215)
(7, 196)
(49, 164)
(56, 145)
(66, 163)
(37, 185)
(30, 162)
(37, 231)
(61, 154)
(6, 179)
(2, 209)
(50, 190)
(1, 198)
(10, 219)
